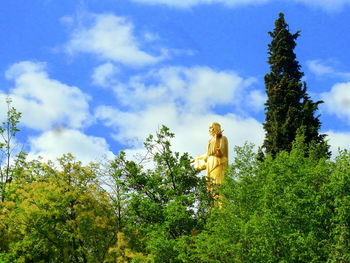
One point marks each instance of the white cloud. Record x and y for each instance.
(3, 107)
(183, 99)
(337, 101)
(256, 100)
(45, 102)
(190, 3)
(338, 140)
(54, 143)
(149, 36)
(111, 38)
(104, 74)
(195, 89)
(328, 5)
(67, 21)
(320, 68)
(191, 130)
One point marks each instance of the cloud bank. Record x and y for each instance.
(327, 5)
(338, 140)
(45, 102)
(110, 37)
(184, 99)
(337, 100)
(190, 3)
(195, 89)
(322, 69)
(54, 143)
(104, 74)
(56, 110)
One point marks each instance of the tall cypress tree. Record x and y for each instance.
(289, 109)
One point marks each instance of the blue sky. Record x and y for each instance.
(96, 77)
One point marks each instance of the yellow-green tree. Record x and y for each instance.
(62, 216)
(122, 253)
(8, 130)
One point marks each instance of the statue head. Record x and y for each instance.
(215, 129)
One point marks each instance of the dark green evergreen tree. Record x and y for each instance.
(289, 109)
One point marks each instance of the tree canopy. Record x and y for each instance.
(291, 206)
(289, 109)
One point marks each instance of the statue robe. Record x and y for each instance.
(215, 160)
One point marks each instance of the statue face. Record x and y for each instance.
(212, 130)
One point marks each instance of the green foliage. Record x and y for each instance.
(291, 208)
(288, 107)
(123, 253)
(164, 203)
(338, 191)
(294, 207)
(61, 217)
(8, 130)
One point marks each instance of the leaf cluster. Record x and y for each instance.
(291, 208)
(289, 109)
(164, 202)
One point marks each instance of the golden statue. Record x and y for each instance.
(215, 160)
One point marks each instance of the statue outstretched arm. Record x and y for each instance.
(200, 162)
